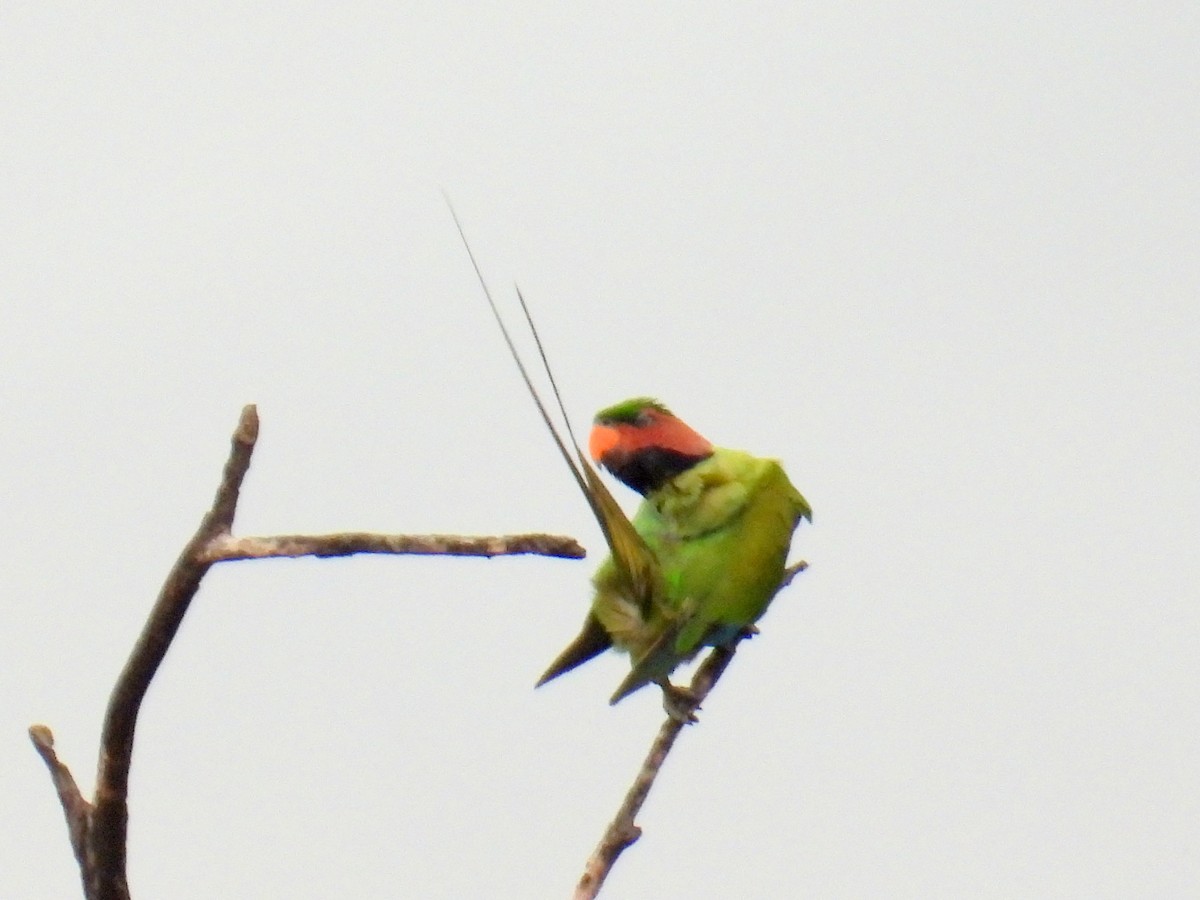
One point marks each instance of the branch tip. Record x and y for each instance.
(247, 427)
(42, 737)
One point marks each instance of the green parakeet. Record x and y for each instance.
(717, 525)
(703, 556)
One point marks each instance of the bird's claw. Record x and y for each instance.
(680, 703)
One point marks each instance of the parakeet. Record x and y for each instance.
(717, 524)
(703, 556)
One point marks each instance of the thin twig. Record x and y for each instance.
(622, 832)
(226, 547)
(76, 809)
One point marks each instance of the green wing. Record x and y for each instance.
(636, 565)
(631, 573)
(721, 533)
(592, 640)
(732, 573)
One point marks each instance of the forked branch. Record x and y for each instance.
(98, 829)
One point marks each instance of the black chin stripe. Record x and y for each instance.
(650, 467)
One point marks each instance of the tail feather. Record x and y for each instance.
(591, 641)
(656, 664)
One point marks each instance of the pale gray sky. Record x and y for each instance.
(942, 260)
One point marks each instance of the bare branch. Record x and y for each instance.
(75, 807)
(98, 830)
(623, 831)
(226, 547)
(110, 815)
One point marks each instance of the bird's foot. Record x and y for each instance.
(679, 702)
(748, 632)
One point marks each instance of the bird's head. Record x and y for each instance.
(643, 444)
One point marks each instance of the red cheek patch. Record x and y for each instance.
(603, 439)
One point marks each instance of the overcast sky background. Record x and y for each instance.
(940, 259)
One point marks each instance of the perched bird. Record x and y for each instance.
(707, 552)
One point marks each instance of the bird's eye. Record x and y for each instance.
(644, 418)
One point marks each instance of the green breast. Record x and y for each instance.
(721, 532)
